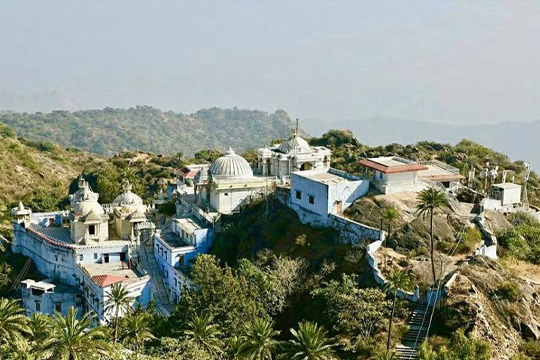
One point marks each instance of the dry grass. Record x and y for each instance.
(519, 268)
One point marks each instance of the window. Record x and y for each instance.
(55, 257)
(175, 282)
(380, 176)
(92, 229)
(166, 274)
(81, 257)
(226, 194)
(165, 254)
(311, 199)
(298, 194)
(38, 306)
(58, 306)
(95, 256)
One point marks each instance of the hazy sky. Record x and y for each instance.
(459, 61)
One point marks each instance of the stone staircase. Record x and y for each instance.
(417, 333)
(159, 289)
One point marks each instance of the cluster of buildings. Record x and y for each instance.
(86, 250)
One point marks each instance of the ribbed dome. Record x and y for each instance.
(84, 207)
(127, 198)
(295, 145)
(231, 165)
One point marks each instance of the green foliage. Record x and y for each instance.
(109, 131)
(259, 341)
(7, 132)
(309, 342)
(358, 313)
(219, 292)
(459, 347)
(169, 208)
(531, 349)
(73, 338)
(13, 322)
(521, 242)
(201, 331)
(509, 290)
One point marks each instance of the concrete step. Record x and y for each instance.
(406, 353)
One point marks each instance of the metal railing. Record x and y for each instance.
(440, 164)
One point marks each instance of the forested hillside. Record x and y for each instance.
(110, 131)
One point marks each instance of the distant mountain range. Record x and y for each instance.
(40, 101)
(519, 140)
(110, 131)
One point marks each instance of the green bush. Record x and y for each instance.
(509, 290)
(530, 348)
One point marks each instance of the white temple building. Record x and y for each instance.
(295, 154)
(82, 252)
(228, 184)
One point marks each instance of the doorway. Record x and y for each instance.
(106, 258)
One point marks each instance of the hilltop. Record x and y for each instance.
(144, 128)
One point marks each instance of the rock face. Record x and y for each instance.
(475, 302)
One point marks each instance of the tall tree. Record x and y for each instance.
(74, 339)
(259, 340)
(201, 331)
(119, 303)
(13, 322)
(430, 200)
(136, 331)
(397, 280)
(390, 214)
(310, 342)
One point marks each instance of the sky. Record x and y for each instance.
(445, 61)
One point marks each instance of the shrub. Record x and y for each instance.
(509, 290)
(530, 348)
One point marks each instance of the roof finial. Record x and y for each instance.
(297, 128)
(230, 151)
(21, 207)
(127, 187)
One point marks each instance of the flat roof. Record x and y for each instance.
(110, 273)
(507, 186)
(190, 223)
(392, 165)
(172, 239)
(438, 173)
(327, 176)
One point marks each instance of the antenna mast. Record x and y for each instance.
(527, 167)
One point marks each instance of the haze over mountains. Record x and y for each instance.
(519, 140)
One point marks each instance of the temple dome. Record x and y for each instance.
(295, 145)
(231, 165)
(129, 201)
(86, 206)
(128, 198)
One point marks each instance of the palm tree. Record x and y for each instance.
(137, 331)
(259, 342)
(201, 331)
(391, 215)
(13, 322)
(118, 302)
(310, 342)
(235, 347)
(397, 280)
(73, 339)
(430, 200)
(40, 327)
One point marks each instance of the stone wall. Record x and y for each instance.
(371, 249)
(352, 232)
